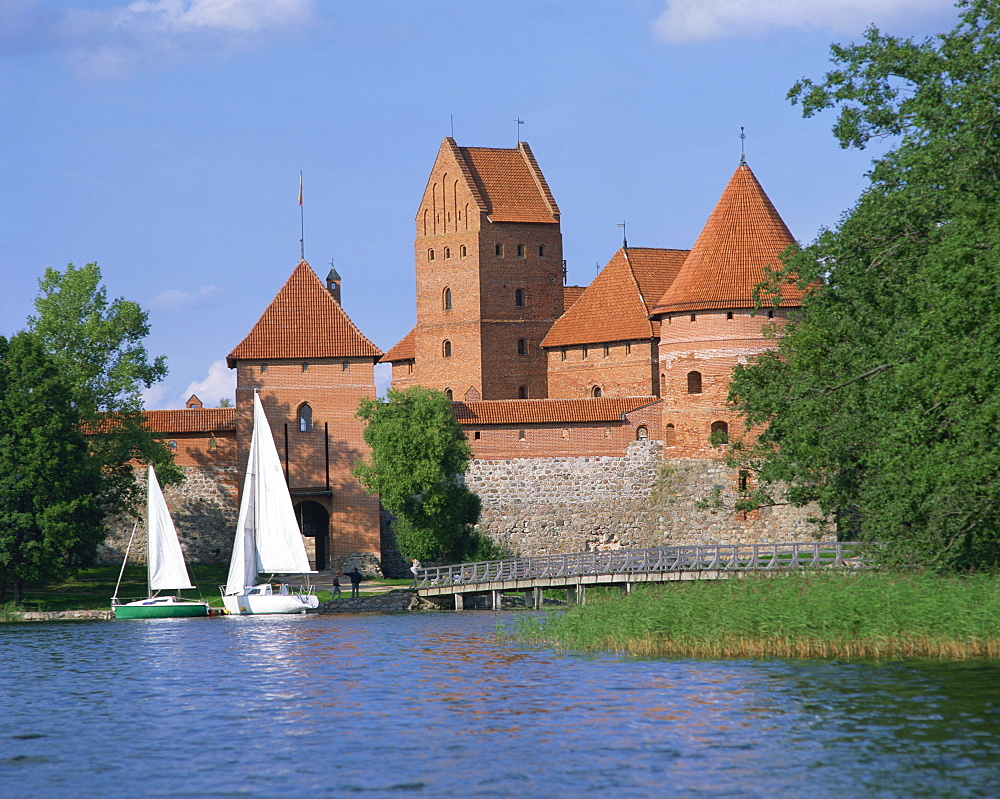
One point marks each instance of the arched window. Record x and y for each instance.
(519, 298)
(522, 347)
(446, 349)
(641, 433)
(447, 252)
(720, 433)
(669, 436)
(446, 302)
(520, 435)
(462, 251)
(744, 479)
(305, 418)
(596, 391)
(694, 382)
(430, 255)
(522, 392)
(447, 393)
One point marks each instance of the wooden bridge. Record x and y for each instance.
(624, 568)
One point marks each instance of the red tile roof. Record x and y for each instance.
(570, 295)
(508, 181)
(404, 350)
(192, 420)
(547, 411)
(617, 305)
(303, 321)
(743, 236)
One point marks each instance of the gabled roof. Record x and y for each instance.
(404, 350)
(570, 295)
(547, 411)
(303, 321)
(505, 183)
(191, 420)
(743, 237)
(617, 305)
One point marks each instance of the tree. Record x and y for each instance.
(50, 511)
(881, 401)
(419, 455)
(99, 351)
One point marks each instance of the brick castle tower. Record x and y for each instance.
(489, 277)
(311, 367)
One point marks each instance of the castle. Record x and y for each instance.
(589, 410)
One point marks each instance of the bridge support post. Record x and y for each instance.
(582, 594)
(459, 602)
(496, 599)
(527, 600)
(571, 595)
(538, 598)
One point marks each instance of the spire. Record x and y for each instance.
(743, 237)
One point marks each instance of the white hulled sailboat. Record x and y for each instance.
(268, 540)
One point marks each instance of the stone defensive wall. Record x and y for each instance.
(204, 509)
(549, 505)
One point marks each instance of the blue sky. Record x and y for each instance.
(164, 139)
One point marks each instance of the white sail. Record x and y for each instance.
(267, 536)
(243, 563)
(166, 561)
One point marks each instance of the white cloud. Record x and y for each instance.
(152, 397)
(178, 299)
(703, 20)
(383, 378)
(220, 383)
(115, 41)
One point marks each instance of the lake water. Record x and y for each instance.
(432, 705)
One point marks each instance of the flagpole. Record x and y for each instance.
(302, 224)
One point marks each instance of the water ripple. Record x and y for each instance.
(432, 704)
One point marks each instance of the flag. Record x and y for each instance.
(300, 189)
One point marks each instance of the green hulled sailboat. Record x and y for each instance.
(165, 567)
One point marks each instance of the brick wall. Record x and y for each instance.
(620, 369)
(573, 439)
(333, 393)
(710, 346)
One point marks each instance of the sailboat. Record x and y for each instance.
(165, 566)
(267, 536)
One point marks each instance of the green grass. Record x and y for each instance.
(92, 588)
(817, 614)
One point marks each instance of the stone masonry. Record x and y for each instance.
(555, 505)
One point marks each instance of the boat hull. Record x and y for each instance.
(245, 604)
(161, 608)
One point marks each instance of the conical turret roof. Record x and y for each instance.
(744, 237)
(303, 321)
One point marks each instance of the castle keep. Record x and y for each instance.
(589, 409)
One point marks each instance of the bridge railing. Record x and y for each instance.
(624, 562)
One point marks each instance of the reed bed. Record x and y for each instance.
(871, 615)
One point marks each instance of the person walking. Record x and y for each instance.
(336, 586)
(414, 567)
(355, 583)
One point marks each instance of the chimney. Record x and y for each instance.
(333, 283)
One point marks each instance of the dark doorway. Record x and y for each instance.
(314, 523)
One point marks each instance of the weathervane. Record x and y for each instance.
(743, 154)
(624, 237)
